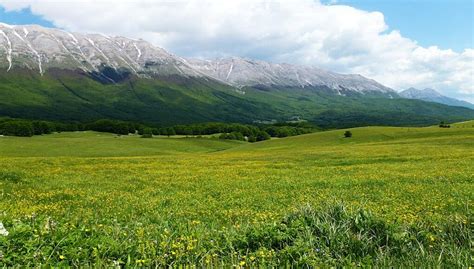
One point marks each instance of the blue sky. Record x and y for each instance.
(22, 17)
(448, 24)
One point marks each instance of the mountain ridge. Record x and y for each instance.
(42, 48)
(55, 75)
(432, 95)
(243, 72)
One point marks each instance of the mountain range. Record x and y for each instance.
(431, 95)
(52, 74)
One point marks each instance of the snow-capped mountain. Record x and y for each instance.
(241, 72)
(51, 74)
(40, 49)
(431, 95)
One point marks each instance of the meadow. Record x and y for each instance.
(386, 196)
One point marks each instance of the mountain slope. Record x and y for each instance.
(73, 95)
(431, 95)
(40, 49)
(241, 72)
(55, 75)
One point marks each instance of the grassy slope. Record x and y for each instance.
(368, 136)
(464, 124)
(333, 111)
(406, 175)
(93, 144)
(67, 95)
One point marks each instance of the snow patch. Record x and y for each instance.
(38, 56)
(19, 36)
(179, 69)
(129, 65)
(99, 50)
(76, 43)
(6, 25)
(138, 51)
(118, 47)
(298, 79)
(230, 70)
(72, 37)
(9, 50)
(69, 52)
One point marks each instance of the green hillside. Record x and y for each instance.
(66, 95)
(464, 124)
(388, 196)
(328, 110)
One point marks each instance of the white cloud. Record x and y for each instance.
(335, 37)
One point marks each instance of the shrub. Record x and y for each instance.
(262, 135)
(232, 136)
(169, 131)
(42, 127)
(14, 177)
(252, 139)
(444, 125)
(17, 128)
(347, 134)
(147, 133)
(111, 126)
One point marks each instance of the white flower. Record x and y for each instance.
(3, 231)
(116, 264)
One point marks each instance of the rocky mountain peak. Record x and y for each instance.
(39, 48)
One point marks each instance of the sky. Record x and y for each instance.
(400, 43)
(448, 24)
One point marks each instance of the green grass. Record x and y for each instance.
(386, 196)
(464, 124)
(94, 144)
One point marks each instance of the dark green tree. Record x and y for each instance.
(147, 133)
(347, 134)
(262, 135)
(252, 139)
(17, 128)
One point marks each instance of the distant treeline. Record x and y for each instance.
(235, 131)
(22, 127)
(18, 127)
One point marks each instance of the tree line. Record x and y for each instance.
(27, 128)
(234, 131)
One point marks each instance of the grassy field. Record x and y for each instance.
(93, 144)
(398, 196)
